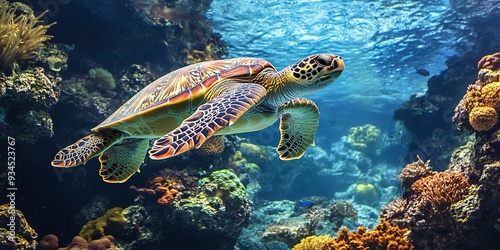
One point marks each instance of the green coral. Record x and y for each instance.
(364, 138)
(221, 205)
(111, 223)
(102, 78)
(228, 187)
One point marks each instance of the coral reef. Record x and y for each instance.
(383, 236)
(364, 138)
(111, 223)
(15, 232)
(319, 219)
(479, 107)
(21, 34)
(221, 195)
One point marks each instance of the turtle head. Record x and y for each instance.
(315, 72)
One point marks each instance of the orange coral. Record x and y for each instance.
(160, 185)
(440, 190)
(384, 236)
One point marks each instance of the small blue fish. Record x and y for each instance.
(306, 203)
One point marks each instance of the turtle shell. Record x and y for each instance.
(162, 105)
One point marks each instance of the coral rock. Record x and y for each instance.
(113, 222)
(364, 138)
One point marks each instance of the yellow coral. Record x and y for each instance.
(112, 223)
(20, 35)
(483, 118)
(311, 243)
(365, 193)
(364, 138)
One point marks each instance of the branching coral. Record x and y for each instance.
(384, 236)
(441, 189)
(20, 36)
(414, 171)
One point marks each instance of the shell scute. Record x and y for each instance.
(180, 92)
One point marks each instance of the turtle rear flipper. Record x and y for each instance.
(121, 161)
(208, 119)
(298, 124)
(84, 149)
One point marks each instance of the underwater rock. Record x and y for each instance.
(188, 34)
(49, 242)
(15, 232)
(26, 98)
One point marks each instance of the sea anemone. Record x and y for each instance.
(20, 36)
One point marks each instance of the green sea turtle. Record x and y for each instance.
(187, 106)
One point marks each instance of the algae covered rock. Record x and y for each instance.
(112, 223)
(220, 206)
(15, 232)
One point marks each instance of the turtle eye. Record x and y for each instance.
(324, 61)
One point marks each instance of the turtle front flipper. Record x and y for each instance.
(121, 161)
(209, 118)
(298, 124)
(84, 149)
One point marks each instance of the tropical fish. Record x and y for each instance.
(422, 71)
(306, 203)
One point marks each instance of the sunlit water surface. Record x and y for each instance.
(382, 42)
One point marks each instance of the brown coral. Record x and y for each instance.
(214, 147)
(20, 35)
(414, 171)
(384, 236)
(440, 190)
(490, 62)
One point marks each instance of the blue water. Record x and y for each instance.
(381, 42)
